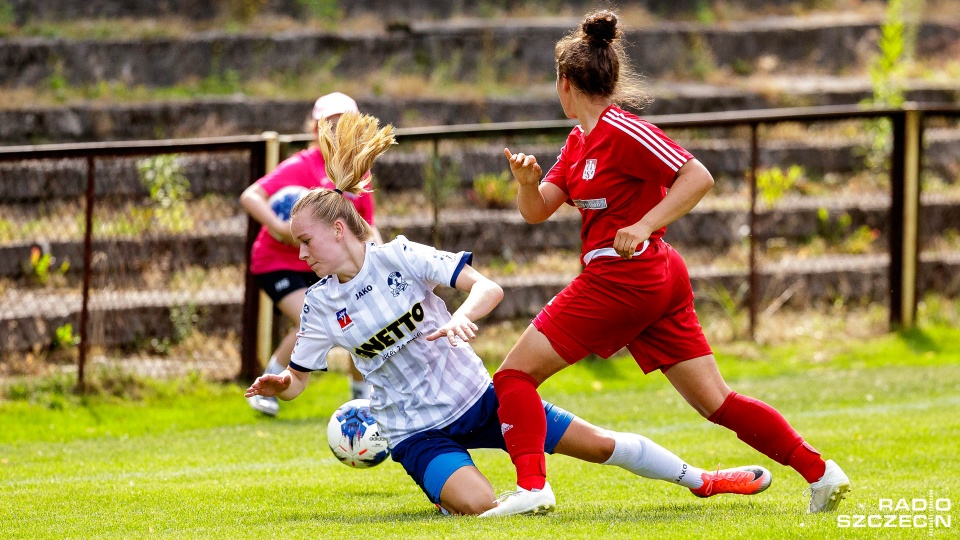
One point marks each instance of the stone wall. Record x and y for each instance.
(50, 10)
(491, 234)
(227, 173)
(461, 48)
(856, 280)
(245, 116)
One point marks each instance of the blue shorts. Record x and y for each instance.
(432, 456)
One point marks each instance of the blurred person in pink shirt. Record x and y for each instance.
(274, 258)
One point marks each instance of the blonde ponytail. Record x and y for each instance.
(349, 152)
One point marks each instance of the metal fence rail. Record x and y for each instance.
(906, 161)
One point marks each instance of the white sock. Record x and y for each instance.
(274, 367)
(645, 458)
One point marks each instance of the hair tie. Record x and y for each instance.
(338, 191)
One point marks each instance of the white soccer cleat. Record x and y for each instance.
(521, 501)
(827, 492)
(269, 406)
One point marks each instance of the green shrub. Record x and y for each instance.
(40, 264)
(169, 190)
(897, 39)
(323, 10)
(64, 338)
(494, 190)
(773, 183)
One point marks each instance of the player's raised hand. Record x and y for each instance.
(269, 385)
(524, 168)
(458, 327)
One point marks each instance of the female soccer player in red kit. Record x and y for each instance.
(629, 182)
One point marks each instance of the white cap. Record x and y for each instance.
(331, 104)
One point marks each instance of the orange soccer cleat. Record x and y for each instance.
(748, 480)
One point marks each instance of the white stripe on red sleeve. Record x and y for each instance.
(656, 137)
(652, 141)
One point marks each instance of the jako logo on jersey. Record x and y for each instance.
(590, 204)
(344, 319)
(505, 428)
(363, 291)
(396, 283)
(384, 339)
(589, 169)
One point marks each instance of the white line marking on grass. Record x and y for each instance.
(196, 472)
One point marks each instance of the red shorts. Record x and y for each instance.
(644, 304)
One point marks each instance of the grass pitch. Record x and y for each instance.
(189, 459)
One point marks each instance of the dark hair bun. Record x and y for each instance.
(600, 27)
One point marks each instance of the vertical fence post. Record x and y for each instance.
(250, 366)
(87, 271)
(754, 277)
(265, 322)
(897, 200)
(436, 186)
(911, 213)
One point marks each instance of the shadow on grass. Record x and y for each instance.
(919, 340)
(691, 512)
(606, 368)
(373, 517)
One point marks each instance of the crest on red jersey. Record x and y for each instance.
(589, 169)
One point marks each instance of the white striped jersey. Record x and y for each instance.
(616, 175)
(381, 316)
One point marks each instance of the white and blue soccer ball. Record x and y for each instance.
(283, 200)
(354, 437)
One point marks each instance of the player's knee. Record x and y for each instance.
(598, 445)
(467, 492)
(469, 507)
(604, 445)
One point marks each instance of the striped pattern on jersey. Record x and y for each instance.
(381, 316)
(642, 133)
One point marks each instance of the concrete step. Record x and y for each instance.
(389, 10)
(239, 115)
(466, 49)
(29, 322)
(402, 169)
(499, 233)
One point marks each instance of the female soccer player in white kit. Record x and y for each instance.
(432, 396)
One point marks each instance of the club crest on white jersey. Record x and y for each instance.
(589, 169)
(396, 282)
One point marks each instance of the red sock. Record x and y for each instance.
(807, 461)
(524, 425)
(767, 431)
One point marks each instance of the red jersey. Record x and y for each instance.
(306, 169)
(615, 175)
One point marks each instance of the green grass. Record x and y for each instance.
(188, 459)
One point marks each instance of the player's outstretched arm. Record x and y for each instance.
(484, 296)
(692, 183)
(536, 201)
(286, 386)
